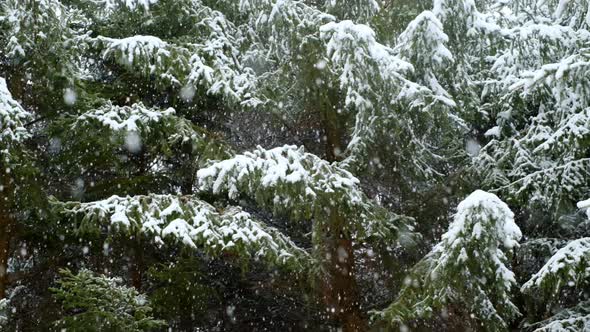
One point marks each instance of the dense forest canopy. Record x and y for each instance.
(355, 165)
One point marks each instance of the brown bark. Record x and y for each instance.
(4, 252)
(341, 293)
(186, 186)
(333, 135)
(5, 234)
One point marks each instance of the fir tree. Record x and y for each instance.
(466, 270)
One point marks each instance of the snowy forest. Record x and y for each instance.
(295, 165)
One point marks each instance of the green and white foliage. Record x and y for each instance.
(43, 39)
(3, 312)
(372, 80)
(345, 76)
(96, 303)
(566, 272)
(547, 162)
(474, 38)
(340, 66)
(285, 46)
(130, 4)
(585, 206)
(50, 19)
(136, 125)
(532, 41)
(423, 44)
(467, 268)
(568, 267)
(566, 320)
(12, 120)
(360, 11)
(191, 48)
(290, 181)
(538, 152)
(122, 140)
(7, 307)
(283, 24)
(185, 220)
(458, 17)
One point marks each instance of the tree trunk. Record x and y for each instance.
(5, 233)
(137, 265)
(188, 181)
(4, 252)
(341, 293)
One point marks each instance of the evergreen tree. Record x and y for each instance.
(286, 156)
(292, 182)
(467, 270)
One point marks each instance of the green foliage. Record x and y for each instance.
(181, 291)
(394, 16)
(181, 46)
(423, 44)
(101, 98)
(361, 11)
(100, 303)
(12, 120)
(42, 42)
(538, 153)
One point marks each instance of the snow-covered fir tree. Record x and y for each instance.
(466, 273)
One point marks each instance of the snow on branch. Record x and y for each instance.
(576, 64)
(138, 118)
(123, 118)
(129, 4)
(290, 181)
(569, 266)
(353, 48)
(136, 126)
(570, 319)
(424, 44)
(585, 205)
(359, 10)
(12, 119)
(210, 63)
(427, 26)
(186, 220)
(372, 79)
